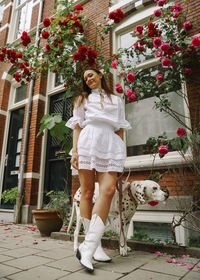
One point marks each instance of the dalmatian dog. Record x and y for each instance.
(133, 194)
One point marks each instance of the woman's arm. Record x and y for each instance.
(120, 133)
(76, 133)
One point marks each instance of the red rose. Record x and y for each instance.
(158, 13)
(129, 92)
(26, 71)
(133, 97)
(46, 22)
(21, 65)
(188, 26)
(1, 57)
(17, 77)
(159, 77)
(187, 71)
(157, 42)
(196, 41)
(78, 7)
(139, 28)
(164, 47)
(112, 15)
(92, 54)
(130, 77)
(181, 132)
(19, 55)
(82, 49)
(26, 63)
(45, 34)
(48, 48)
(76, 56)
(116, 16)
(91, 61)
(163, 150)
(118, 88)
(3, 50)
(166, 62)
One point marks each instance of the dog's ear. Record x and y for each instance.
(140, 193)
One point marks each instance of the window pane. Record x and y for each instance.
(20, 2)
(28, 16)
(158, 231)
(20, 93)
(126, 40)
(23, 19)
(19, 146)
(20, 133)
(17, 160)
(147, 122)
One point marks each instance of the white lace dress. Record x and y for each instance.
(99, 147)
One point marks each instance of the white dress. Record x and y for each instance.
(99, 147)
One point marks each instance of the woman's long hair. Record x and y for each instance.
(86, 91)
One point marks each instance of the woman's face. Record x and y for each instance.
(92, 79)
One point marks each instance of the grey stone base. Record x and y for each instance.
(135, 245)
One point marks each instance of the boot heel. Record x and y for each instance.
(78, 254)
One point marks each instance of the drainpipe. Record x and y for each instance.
(26, 132)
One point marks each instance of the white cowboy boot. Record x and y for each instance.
(86, 250)
(99, 254)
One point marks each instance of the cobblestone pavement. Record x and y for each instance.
(25, 255)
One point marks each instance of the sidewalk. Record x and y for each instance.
(25, 255)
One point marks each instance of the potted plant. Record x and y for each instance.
(10, 195)
(54, 214)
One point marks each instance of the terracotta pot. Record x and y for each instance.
(47, 221)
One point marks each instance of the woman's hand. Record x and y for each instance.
(74, 160)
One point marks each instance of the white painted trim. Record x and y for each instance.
(160, 217)
(4, 147)
(31, 175)
(4, 113)
(119, 5)
(6, 76)
(40, 97)
(36, 3)
(139, 5)
(8, 5)
(7, 25)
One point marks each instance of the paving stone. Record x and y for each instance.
(21, 252)
(141, 274)
(6, 270)
(192, 275)
(68, 264)
(98, 274)
(44, 245)
(4, 258)
(160, 265)
(41, 272)
(57, 254)
(126, 264)
(28, 262)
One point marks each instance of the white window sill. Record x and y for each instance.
(146, 161)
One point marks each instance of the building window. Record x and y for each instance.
(145, 120)
(2, 6)
(23, 12)
(20, 93)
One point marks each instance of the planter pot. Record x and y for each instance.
(47, 221)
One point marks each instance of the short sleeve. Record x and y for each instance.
(122, 122)
(78, 116)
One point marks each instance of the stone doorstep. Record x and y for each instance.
(135, 245)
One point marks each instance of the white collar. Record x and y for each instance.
(97, 91)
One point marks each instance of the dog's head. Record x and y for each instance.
(146, 191)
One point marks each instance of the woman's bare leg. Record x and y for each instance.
(107, 186)
(87, 182)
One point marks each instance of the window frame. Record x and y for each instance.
(12, 36)
(144, 162)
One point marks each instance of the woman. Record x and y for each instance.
(98, 153)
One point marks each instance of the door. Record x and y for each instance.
(11, 169)
(57, 171)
